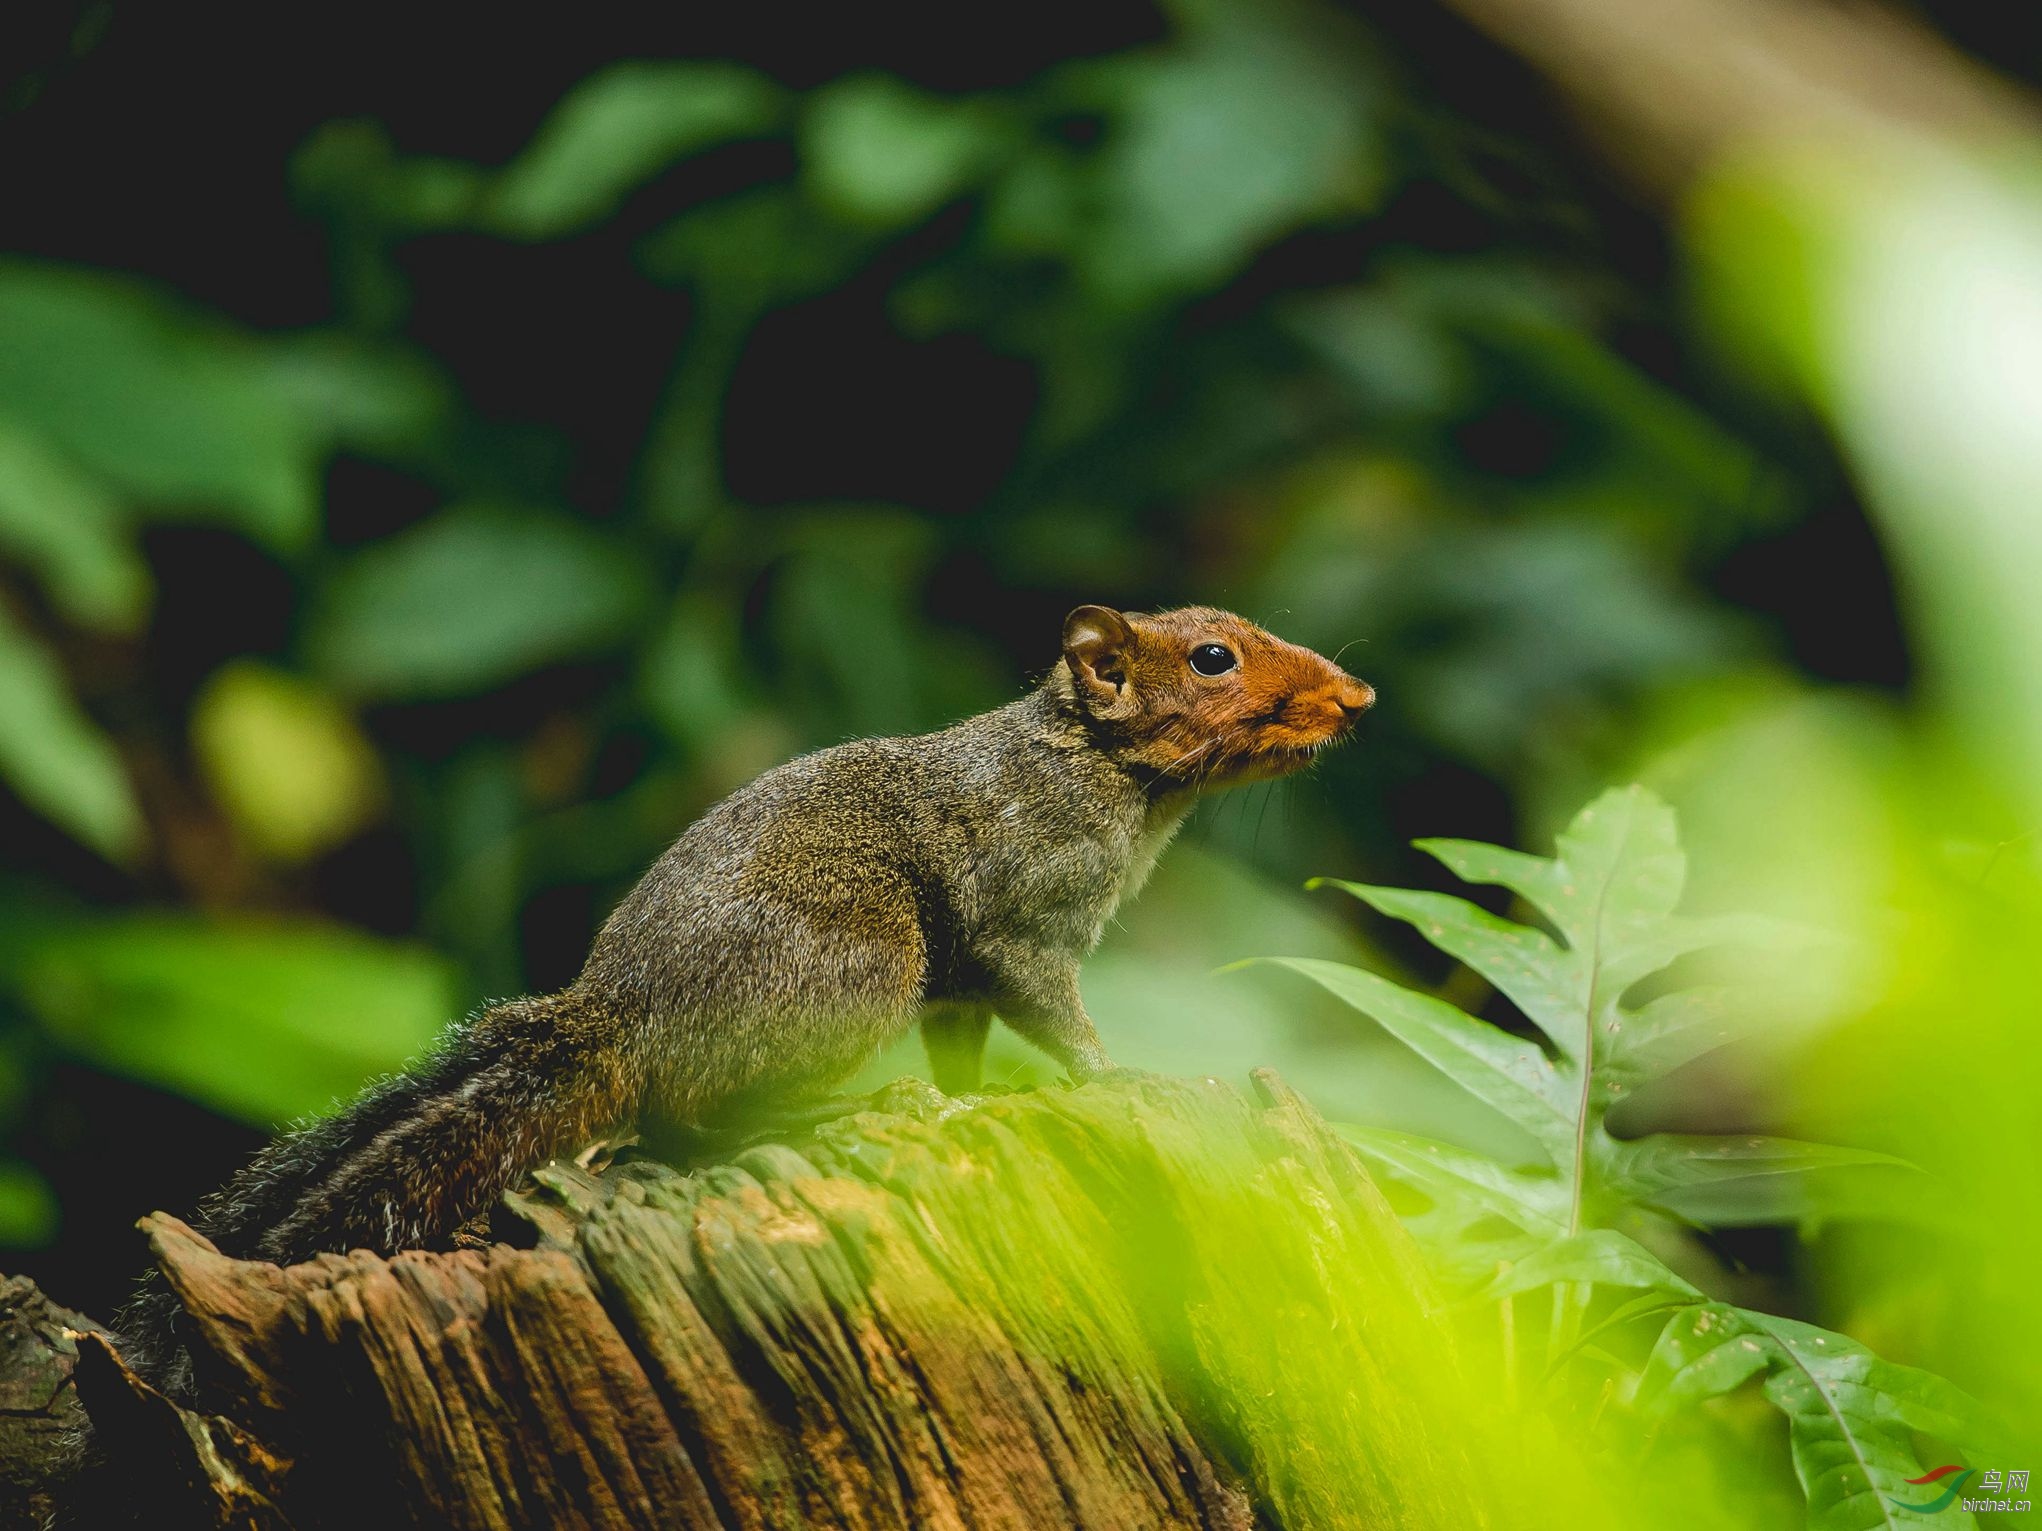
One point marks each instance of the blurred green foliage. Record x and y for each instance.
(541, 639)
(1585, 1215)
(350, 668)
(187, 1003)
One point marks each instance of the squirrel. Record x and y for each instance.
(805, 921)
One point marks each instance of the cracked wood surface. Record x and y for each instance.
(1141, 1304)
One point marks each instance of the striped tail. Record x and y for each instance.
(418, 1154)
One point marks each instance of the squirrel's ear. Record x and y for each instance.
(1096, 644)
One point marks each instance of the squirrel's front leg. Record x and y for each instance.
(1035, 991)
(954, 1033)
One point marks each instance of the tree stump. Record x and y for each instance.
(38, 1404)
(1149, 1303)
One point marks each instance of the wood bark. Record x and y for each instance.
(38, 1403)
(1140, 1304)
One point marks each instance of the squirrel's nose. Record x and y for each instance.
(1355, 696)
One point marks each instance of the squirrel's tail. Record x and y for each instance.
(418, 1154)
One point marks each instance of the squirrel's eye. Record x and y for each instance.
(1212, 659)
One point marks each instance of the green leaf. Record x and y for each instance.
(379, 399)
(1443, 1171)
(1497, 1069)
(1667, 1170)
(618, 129)
(54, 757)
(1702, 1353)
(350, 171)
(471, 598)
(1668, 1032)
(1245, 131)
(1536, 879)
(1645, 952)
(1480, 1211)
(878, 153)
(61, 523)
(1611, 894)
(1612, 890)
(28, 1207)
(177, 413)
(266, 1022)
(1540, 977)
(1623, 867)
(1851, 1415)
(1648, 1304)
(1600, 1256)
(691, 674)
(764, 246)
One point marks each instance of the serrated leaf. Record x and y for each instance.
(1465, 1250)
(1668, 1032)
(1656, 1171)
(1619, 872)
(1851, 1415)
(1612, 895)
(1600, 1256)
(54, 757)
(615, 131)
(1540, 977)
(1535, 879)
(1873, 1193)
(1497, 1069)
(1639, 953)
(1624, 839)
(1442, 1170)
(1648, 1303)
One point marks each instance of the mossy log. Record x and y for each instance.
(1140, 1303)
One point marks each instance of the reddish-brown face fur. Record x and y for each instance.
(1268, 714)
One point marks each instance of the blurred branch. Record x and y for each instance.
(1671, 87)
(1856, 204)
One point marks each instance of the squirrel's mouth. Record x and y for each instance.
(1274, 760)
(1279, 743)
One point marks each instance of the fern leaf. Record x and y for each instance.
(1493, 1066)
(1475, 1181)
(1851, 1415)
(1612, 895)
(1600, 1256)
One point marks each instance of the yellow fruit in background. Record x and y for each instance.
(288, 763)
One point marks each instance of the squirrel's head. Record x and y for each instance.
(1198, 697)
